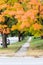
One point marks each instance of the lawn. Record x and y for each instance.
(36, 43)
(36, 47)
(13, 48)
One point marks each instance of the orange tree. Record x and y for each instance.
(28, 14)
(4, 30)
(30, 17)
(6, 20)
(37, 27)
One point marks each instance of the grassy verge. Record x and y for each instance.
(34, 52)
(36, 43)
(36, 47)
(13, 48)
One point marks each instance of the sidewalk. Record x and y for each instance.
(23, 49)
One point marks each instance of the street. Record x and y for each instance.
(21, 61)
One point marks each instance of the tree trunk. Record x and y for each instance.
(4, 40)
(41, 37)
(22, 37)
(19, 36)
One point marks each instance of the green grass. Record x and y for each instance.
(14, 47)
(36, 43)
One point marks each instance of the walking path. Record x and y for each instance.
(23, 49)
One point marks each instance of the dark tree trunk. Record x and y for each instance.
(41, 37)
(19, 36)
(4, 40)
(22, 37)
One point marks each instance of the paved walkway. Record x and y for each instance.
(23, 49)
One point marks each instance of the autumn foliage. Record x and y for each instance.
(26, 18)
